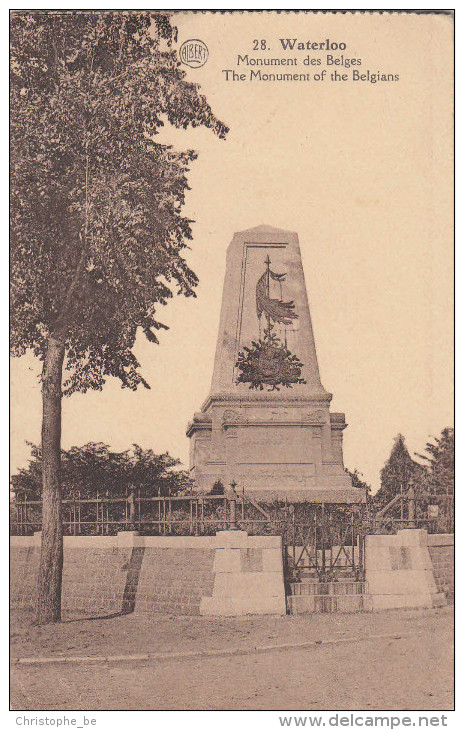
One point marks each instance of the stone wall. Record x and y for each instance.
(109, 575)
(229, 574)
(104, 576)
(441, 549)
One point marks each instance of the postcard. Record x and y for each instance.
(232, 470)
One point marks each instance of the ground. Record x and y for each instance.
(397, 660)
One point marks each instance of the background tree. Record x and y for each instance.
(97, 235)
(95, 468)
(217, 488)
(438, 482)
(399, 473)
(357, 481)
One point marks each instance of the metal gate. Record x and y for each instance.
(324, 542)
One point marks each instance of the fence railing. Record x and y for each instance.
(412, 510)
(104, 515)
(388, 525)
(190, 515)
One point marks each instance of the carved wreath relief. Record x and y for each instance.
(268, 361)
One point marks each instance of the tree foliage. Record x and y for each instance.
(98, 237)
(357, 480)
(217, 488)
(438, 482)
(397, 476)
(94, 467)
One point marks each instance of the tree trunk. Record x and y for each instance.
(51, 555)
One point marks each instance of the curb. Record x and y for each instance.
(30, 661)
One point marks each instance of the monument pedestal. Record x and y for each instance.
(266, 424)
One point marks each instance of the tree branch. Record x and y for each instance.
(60, 324)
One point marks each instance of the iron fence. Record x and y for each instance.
(105, 515)
(328, 544)
(385, 525)
(192, 514)
(205, 514)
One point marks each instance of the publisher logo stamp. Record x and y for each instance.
(193, 53)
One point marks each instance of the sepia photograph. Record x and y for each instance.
(232, 367)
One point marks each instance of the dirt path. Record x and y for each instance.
(409, 673)
(158, 633)
(397, 674)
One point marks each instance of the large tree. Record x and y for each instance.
(98, 236)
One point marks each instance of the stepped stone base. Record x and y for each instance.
(329, 604)
(332, 597)
(332, 588)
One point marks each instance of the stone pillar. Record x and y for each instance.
(399, 571)
(248, 576)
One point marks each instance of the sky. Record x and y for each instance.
(363, 172)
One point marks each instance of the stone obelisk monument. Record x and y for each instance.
(266, 423)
